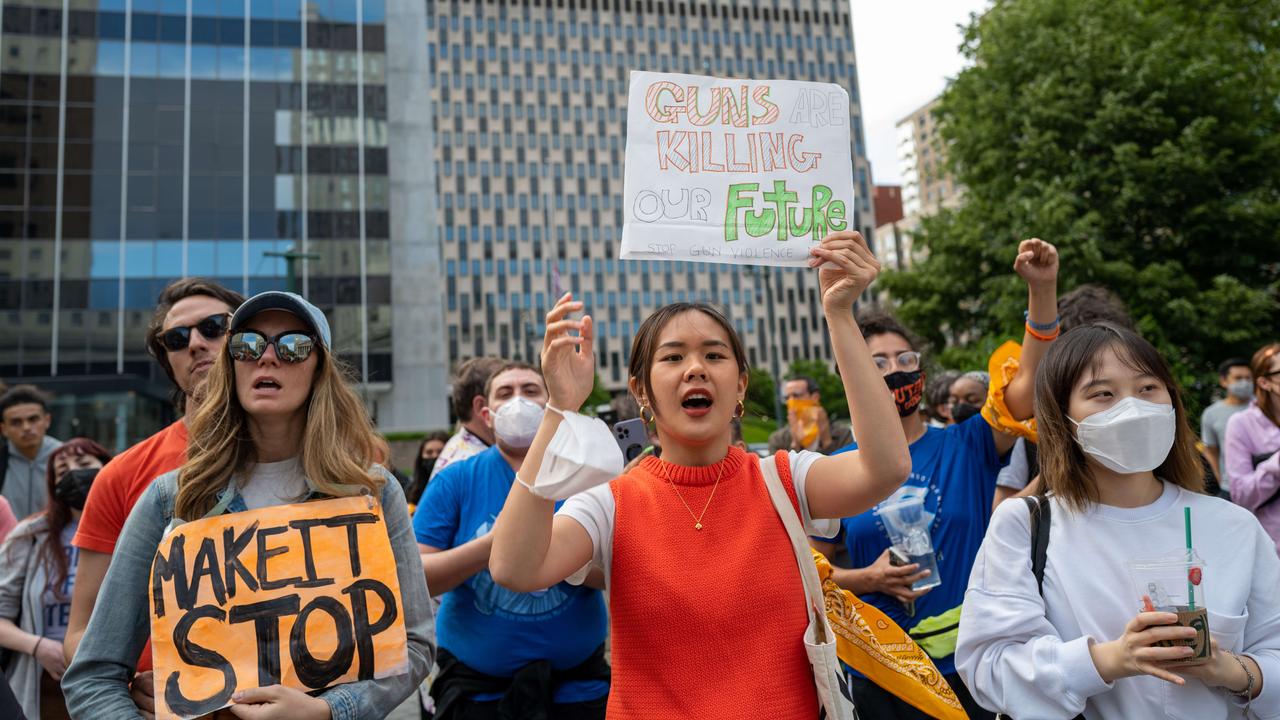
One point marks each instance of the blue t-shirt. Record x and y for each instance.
(958, 466)
(488, 627)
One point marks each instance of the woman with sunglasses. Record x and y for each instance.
(954, 470)
(1253, 444)
(277, 424)
(37, 572)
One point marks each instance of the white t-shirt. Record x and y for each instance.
(595, 509)
(1029, 657)
(274, 483)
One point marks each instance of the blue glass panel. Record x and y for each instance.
(204, 7)
(104, 294)
(110, 58)
(111, 25)
(145, 60)
(204, 62)
(168, 259)
(229, 256)
(288, 10)
(375, 11)
(231, 31)
(173, 28)
(289, 34)
(173, 60)
(231, 8)
(204, 30)
(145, 26)
(230, 63)
(201, 255)
(262, 32)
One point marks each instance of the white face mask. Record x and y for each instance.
(1241, 389)
(582, 454)
(1130, 437)
(516, 422)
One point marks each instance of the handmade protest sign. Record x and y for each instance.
(303, 595)
(734, 171)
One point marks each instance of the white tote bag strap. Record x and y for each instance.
(813, 595)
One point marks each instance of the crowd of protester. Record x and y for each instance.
(547, 580)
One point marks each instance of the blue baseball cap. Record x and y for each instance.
(291, 303)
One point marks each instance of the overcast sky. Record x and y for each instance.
(906, 51)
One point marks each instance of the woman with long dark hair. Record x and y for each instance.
(706, 603)
(37, 571)
(1080, 628)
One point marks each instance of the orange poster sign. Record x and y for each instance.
(303, 595)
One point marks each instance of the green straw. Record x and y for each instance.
(1191, 590)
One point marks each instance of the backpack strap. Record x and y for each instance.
(1038, 505)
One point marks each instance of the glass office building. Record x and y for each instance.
(414, 167)
(146, 140)
(530, 119)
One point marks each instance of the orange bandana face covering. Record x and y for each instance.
(806, 411)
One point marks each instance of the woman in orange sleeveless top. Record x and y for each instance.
(706, 602)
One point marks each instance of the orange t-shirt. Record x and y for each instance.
(117, 488)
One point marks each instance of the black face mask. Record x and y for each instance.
(73, 487)
(425, 465)
(963, 411)
(908, 389)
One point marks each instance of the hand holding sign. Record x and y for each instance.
(847, 268)
(278, 702)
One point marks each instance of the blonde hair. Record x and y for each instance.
(339, 445)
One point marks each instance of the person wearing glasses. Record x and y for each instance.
(1253, 444)
(187, 331)
(955, 469)
(278, 424)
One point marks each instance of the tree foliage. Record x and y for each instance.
(1143, 139)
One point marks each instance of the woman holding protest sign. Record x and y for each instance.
(681, 538)
(279, 430)
(37, 570)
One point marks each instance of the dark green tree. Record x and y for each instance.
(760, 390)
(1143, 139)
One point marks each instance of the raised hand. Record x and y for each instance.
(568, 361)
(1037, 262)
(855, 267)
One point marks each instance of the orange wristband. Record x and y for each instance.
(1043, 337)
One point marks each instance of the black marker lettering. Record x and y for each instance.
(360, 618)
(304, 529)
(265, 553)
(193, 654)
(206, 564)
(232, 546)
(313, 672)
(266, 628)
(172, 568)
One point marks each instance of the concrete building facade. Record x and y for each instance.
(530, 121)
(927, 185)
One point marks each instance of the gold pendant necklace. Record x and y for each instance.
(697, 519)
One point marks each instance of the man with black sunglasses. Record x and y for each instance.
(187, 331)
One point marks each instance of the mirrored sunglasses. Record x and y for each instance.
(291, 347)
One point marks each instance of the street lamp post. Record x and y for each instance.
(291, 257)
(765, 275)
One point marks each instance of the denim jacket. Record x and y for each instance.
(97, 682)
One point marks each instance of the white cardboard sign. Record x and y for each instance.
(750, 172)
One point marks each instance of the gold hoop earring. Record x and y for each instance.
(651, 419)
(741, 410)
